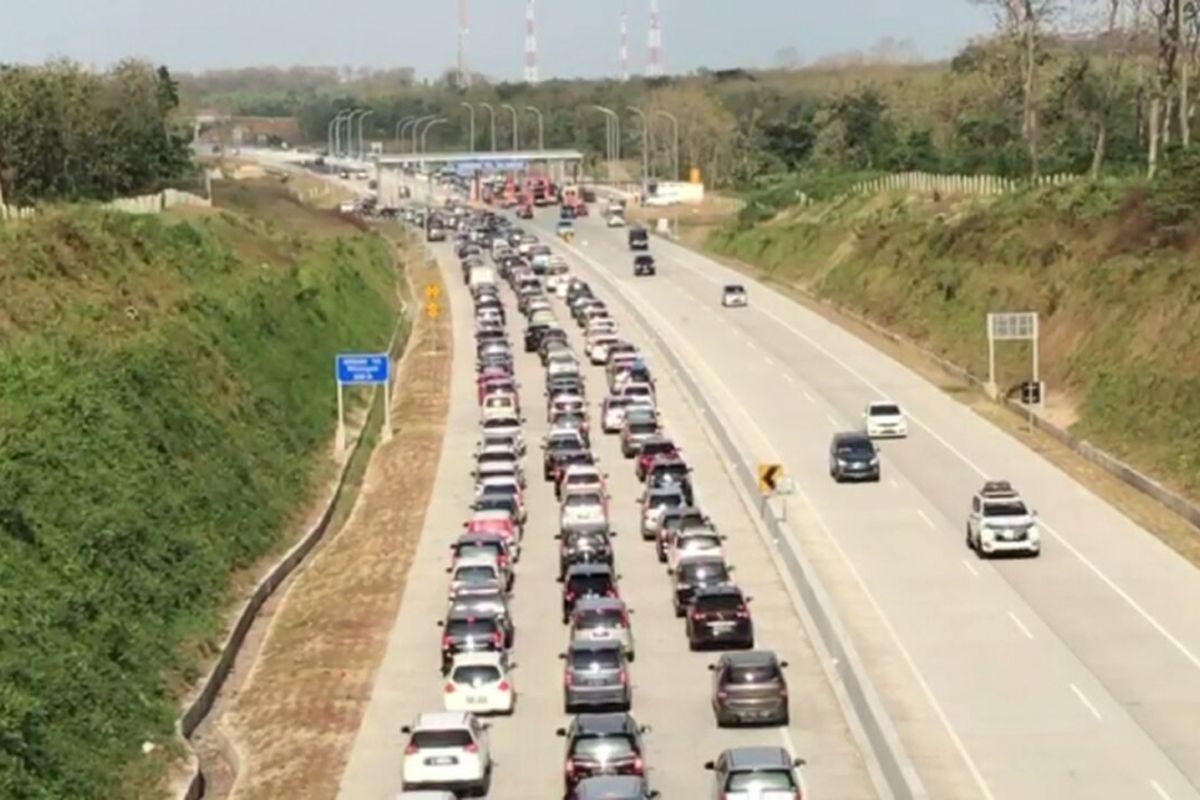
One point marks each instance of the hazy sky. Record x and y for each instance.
(576, 37)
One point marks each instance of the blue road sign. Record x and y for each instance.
(363, 368)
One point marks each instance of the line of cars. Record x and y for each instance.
(748, 685)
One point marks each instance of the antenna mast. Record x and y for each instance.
(531, 59)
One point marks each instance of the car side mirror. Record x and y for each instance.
(712, 667)
(441, 623)
(730, 569)
(783, 664)
(798, 762)
(653, 793)
(644, 729)
(709, 765)
(558, 580)
(406, 729)
(449, 570)
(561, 732)
(487, 726)
(670, 571)
(562, 656)
(749, 599)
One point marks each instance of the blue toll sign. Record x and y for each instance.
(363, 368)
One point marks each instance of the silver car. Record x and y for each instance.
(596, 676)
(602, 619)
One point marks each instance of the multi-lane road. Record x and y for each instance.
(671, 684)
(1073, 675)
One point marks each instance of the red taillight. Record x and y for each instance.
(743, 614)
(611, 592)
(411, 750)
(503, 561)
(446, 641)
(570, 596)
(504, 687)
(568, 678)
(783, 693)
(722, 695)
(498, 638)
(472, 748)
(450, 688)
(638, 765)
(698, 616)
(569, 768)
(624, 677)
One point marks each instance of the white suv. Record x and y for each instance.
(1000, 522)
(447, 750)
(884, 419)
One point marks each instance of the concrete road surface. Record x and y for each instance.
(671, 684)
(1075, 675)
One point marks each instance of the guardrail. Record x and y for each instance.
(899, 777)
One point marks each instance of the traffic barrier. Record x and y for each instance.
(191, 785)
(954, 185)
(892, 768)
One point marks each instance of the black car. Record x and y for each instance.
(586, 580)
(602, 744)
(692, 574)
(468, 632)
(671, 472)
(583, 545)
(492, 604)
(644, 265)
(853, 456)
(555, 447)
(719, 616)
(639, 238)
(533, 336)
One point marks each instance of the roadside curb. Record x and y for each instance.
(190, 785)
(892, 770)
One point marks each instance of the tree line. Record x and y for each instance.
(67, 133)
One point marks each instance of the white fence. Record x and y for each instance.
(143, 204)
(948, 185)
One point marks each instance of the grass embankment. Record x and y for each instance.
(1110, 269)
(165, 400)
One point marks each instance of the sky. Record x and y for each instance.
(577, 38)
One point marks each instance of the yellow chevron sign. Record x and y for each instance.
(769, 477)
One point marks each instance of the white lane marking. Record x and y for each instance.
(790, 747)
(809, 397)
(1158, 790)
(925, 517)
(789, 379)
(1099, 573)
(751, 344)
(892, 483)
(770, 361)
(832, 420)
(759, 434)
(1020, 625)
(970, 568)
(1086, 703)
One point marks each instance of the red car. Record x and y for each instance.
(490, 374)
(652, 449)
(581, 209)
(525, 212)
(492, 525)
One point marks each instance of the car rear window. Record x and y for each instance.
(660, 500)
(589, 584)
(885, 411)
(583, 499)
(765, 780)
(475, 573)
(471, 627)
(643, 427)
(762, 673)
(475, 675)
(721, 602)
(609, 618)
(593, 660)
(604, 748)
(425, 740)
(654, 448)
(489, 549)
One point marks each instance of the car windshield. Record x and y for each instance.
(660, 500)
(655, 448)
(642, 427)
(765, 780)
(582, 499)
(609, 618)
(640, 414)
(582, 479)
(720, 602)
(497, 490)
(760, 673)
(604, 748)
(886, 410)
(613, 403)
(595, 660)
(502, 424)
(475, 675)
(699, 542)
(427, 740)
(1014, 508)
(470, 627)
(483, 549)
(497, 458)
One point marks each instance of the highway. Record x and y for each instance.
(671, 684)
(1073, 675)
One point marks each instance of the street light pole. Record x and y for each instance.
(492, 114)
(343, 116)
(361, 150)
(350, 130)
(516, 140)
(403, 137)
(471, 111)
(432, 124)
(329, 133)
(400, 125)
(645, 149)
(541, 126)
(614, 134)
(675, 127)
(417, 128)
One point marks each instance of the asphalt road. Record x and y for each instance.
(1073, 675)
(671, 684)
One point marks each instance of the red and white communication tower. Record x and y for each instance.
(623, 48)
(654, 45)
(531, 59)
(464, 70)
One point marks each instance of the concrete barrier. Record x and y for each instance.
(895, 775)
(191, 785)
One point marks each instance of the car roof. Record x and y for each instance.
(588, 569)
(442, 720)
(750, 658)
(603, 723)
(752, 758)
(581, 645)
(720, 590)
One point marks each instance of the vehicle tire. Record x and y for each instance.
(678, 610)
(970, 541)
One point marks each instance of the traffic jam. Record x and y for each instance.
(571, 332)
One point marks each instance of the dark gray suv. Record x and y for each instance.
(596, 676)
(853, 457)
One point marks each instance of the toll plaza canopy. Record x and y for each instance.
(471, 164)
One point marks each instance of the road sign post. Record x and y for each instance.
(362, 369)
(1015, 327)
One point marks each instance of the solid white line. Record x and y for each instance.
(970, 568)
(790, 747)
(1161, 792)
(925, 517)
(1086, 703)
(1020, 625)
(1099, 573)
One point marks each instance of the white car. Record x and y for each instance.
(448, 749)
(562, 362)
(581, 478)
(1000, 522)
(479, 683)
(612, 413)
(602, 325)
(476, 571)
(505, 426)
(700, 542)
(597, 347)
(734, 296)
(884, 419)
(588, 507)
(501, 404)
(616, 221)
(637, 391)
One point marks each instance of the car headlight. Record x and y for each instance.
(841, 462)
(874, 462)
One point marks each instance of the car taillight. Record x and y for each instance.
(446, 641)
(638, 765)
(450, 688)
(722, 695)
(498, 638)
(504, 687)
(472, 748)
(698, 616)
(783, 693)
(624, 678)
(743, 614)
(570, 596)
(411, 750)
(569, 768)
(503, 561)
(568, 678)
(611, 592)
